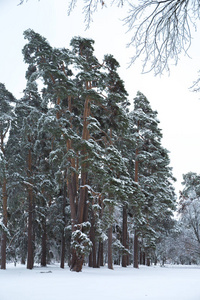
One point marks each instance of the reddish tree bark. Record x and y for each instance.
(100, 255)
(5, 220)
(135, 263)
(62, 260)
(110, 259)
(124, 236)
(80, 209)
(4, 196)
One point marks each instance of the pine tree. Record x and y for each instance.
(152, 172)
(114, 120)
(30, 105)
(51, 66)
(6, 115)
(89, 98)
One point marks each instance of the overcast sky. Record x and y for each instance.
(178, 108)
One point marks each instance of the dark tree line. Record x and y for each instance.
(83, 178)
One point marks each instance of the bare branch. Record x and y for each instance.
(161, 31)
(196, 85)
(71, 6)
(91, 6)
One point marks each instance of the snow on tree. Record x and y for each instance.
(152, 173)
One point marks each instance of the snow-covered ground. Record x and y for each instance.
(147, 283)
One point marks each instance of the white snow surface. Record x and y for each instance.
(145, 283)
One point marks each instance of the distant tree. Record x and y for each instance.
(189, 209)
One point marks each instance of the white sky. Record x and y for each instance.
(178, 108)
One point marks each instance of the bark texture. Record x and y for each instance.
(135, 263)
(30, 258)
(44, 245)
(110, 259)
(5, 221)
(62, 259)
(124, 237)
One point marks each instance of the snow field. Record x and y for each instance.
(146, 283)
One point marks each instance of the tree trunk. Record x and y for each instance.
(140, 256)
(124, 236)
(44, 245)
(3, 250)
(135, 261)
(100, 255)
(82, 205)
(94, 254)
(143, 258)
(76, 262)
(71, 178)
(128, 256)
(5, 221)
(135, 258)
(82, 214)
(110, 260)
(30, 216)
(62, 260)
(23, 261)
(90, 262)
(30, 231)
(92, 258)
(148, 262)
(71, 187)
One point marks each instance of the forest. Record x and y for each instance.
(84, 178)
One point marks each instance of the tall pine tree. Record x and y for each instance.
(153, 174)
(6, 115)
